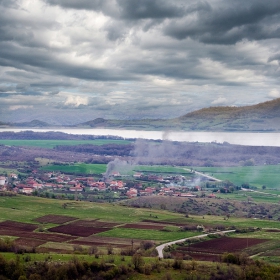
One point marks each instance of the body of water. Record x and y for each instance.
(239, 138)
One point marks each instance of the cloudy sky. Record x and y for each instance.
(69, 61)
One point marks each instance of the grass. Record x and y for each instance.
(145, 234)
(268, 175)
(256, 197)
(50, 144)
(101, 168)
(232, 221)
(161, 169)
(77, 168)
(26, 208)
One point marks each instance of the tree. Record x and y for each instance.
(263, 187)
(137, 261)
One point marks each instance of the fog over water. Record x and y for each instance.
(239, 138)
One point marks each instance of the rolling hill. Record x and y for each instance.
(262, 117)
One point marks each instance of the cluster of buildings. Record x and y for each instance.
(137, 185)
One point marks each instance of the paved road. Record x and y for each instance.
(161, 247)
(204, 175)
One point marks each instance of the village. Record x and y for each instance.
(115, 186)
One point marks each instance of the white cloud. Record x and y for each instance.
(219, 101)
(17, 107)
(76, 100)
(274, 93)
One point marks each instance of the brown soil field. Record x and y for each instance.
(87, 243)
(28, 242)
(77, 230)
(272, 230)
(167, 223)
(144, 226)
(55, 219)
(14, 226)
(94, 223)
(37, 235)
(225, 244)
(213, 249)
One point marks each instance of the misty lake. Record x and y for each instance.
(241, 138)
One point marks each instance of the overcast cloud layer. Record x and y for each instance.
(69, 61)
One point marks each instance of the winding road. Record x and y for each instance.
(204, 175)
(162, 246)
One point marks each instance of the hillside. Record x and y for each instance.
(262, 117)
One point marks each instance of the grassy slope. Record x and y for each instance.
(26, 209)
(77, 168)
(49, 144)
(258, 176)
(100, 168)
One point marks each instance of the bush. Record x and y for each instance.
(178, 263)
(146, 245)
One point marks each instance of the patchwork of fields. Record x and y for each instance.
(45, 226)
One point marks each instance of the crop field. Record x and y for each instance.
(267, 175)
(161, 169)
(50, 144)
(253, 196)
(212, 250)
(33, 220)
(130, 233)
(45, 225)
(78, 168)
(101, 168)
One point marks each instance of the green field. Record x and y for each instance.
(162, 236)
(49, 144)
(268, 175)
(77, 168)
(256, 197)
(25, 209)
(101, 168)
(161, 169)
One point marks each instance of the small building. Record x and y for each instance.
(2, 180)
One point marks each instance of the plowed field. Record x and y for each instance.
(28, 242)
(213, 249)
(74, 230)
(225, 244)
(94, 223)
(16, 226)
(37, 235)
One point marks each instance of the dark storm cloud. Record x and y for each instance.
(135, 58)
(126, 9)
(230, 22)
(9, 3)
(12, 55)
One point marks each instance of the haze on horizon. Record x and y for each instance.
(67, 61)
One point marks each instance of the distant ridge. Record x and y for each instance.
(34, 123)
(262, 117)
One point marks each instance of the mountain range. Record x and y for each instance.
(260, 117)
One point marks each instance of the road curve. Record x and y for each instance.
(203, 175)
(161, 247)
